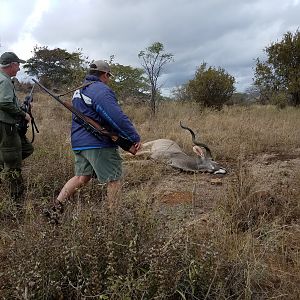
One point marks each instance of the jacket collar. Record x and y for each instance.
(92, 78)
(4, 74)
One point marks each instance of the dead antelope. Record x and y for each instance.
(168, 151)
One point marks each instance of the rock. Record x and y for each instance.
(216, 181)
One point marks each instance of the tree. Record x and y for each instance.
(211, 87)
(280, 73)
(180, 93)
(153, 59)
(56, 67)
(127, 81)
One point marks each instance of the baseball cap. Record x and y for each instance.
(9, 57)
(100, 65)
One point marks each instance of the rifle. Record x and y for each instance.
(23, 124)
(92, 126)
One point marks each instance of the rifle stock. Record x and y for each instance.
(92, 126)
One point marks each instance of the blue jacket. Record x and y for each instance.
(99, 103)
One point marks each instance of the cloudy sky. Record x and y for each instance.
(224, 33)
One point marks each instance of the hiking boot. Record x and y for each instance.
(54, 213)
(16, 186)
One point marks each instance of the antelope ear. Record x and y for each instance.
(198, 150)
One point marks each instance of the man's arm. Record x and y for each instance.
(13, 110)
(6, 100)
(109, 109)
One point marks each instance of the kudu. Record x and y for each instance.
(169, 152)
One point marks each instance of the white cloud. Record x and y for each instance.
(26, 40)
(229, 34)
(13, 16)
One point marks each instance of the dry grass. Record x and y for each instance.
(245, 245)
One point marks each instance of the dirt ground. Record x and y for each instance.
(201, 191)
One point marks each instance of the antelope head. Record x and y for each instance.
(205, 162)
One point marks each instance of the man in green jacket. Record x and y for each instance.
(13, 147)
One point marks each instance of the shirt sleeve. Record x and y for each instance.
(109, 109)
(12, 109)
(7, 100)
(6, 91)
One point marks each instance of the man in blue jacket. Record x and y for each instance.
(93, 156)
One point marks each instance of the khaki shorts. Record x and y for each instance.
(106, 163)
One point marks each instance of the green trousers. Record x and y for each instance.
(13, 149)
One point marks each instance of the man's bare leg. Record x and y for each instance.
(71, 186)
(67, 191)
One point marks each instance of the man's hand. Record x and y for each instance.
(138, 146)
(27, 117)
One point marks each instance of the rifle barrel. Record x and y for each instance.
(31, 91)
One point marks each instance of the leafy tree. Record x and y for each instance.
(179, 93)
(280, 73)
(128, 81)
(238, 99)
(252, 91)
(211, 87)
(153, 59)
(56, 67)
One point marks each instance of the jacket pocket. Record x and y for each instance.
(10, 129)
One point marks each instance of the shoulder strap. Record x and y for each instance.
(77, 88)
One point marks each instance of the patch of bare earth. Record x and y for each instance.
(197, 190)
(275, 169)
(201, 191)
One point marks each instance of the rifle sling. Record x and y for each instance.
(79, 87)
(106, 131)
